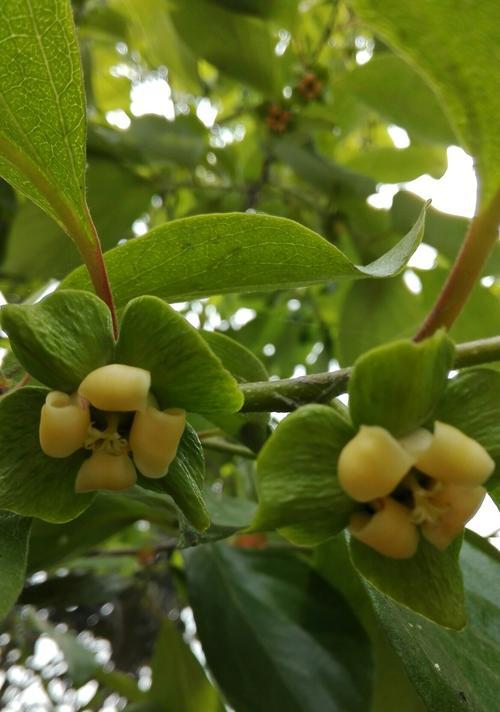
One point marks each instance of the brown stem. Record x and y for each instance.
(479, 241)
(92, 256)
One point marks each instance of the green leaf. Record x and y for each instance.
(184, 371)
(240, 46)
(154, 142)
(245, 367)
(61, 339)
(443, 231)
(398, 385)
(453, 671)
(53, 544)
(152, 32)
(429, 583)
(14, 542)
(282, 10)
(390, 684)
(391, 86)
(51, 255)
(322, 174)
(216, 254)
(297, 479)
(179, 681)
(184, 481)
(396, 312)
(471, 403)
(42, 111)
(454, 53)
(228, 516)
(31, 483)
(392, 165)
(275, 636)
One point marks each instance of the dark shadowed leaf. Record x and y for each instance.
(275, 636)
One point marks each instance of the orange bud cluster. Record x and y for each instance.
(277, 118)
(310, 87)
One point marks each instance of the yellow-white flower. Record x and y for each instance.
(113, 392)
(427, 480)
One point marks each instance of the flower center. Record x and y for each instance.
(108, 440)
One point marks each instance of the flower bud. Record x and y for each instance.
(372, 464)
(417, 442)
(454, 458)
(459, 504)
(64, 423)
(117, 387)
(154, 438)
(105, 471)
(389, 531)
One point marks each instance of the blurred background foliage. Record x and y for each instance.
(292, 109)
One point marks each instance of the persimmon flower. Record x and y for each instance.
(427, 481)
(113, 414)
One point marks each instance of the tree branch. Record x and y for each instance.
(286, 395)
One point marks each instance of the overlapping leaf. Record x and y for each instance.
(217, 254)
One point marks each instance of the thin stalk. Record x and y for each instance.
(286, 395)
(479, 241)
(91, 253)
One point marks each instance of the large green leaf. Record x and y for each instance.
(14, 541)
(453, 671)
(185, 373)
(275, 636)
(31, 483)
(398, 385)
(61, 339)
(216, 254)
(297, 476)
(400, 95)
(455, 53)
(179, 681)
(50, 254)
(240, 46)
(391, 685)
(42, 111)
(429, 583)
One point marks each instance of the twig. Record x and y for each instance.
(284, 396)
